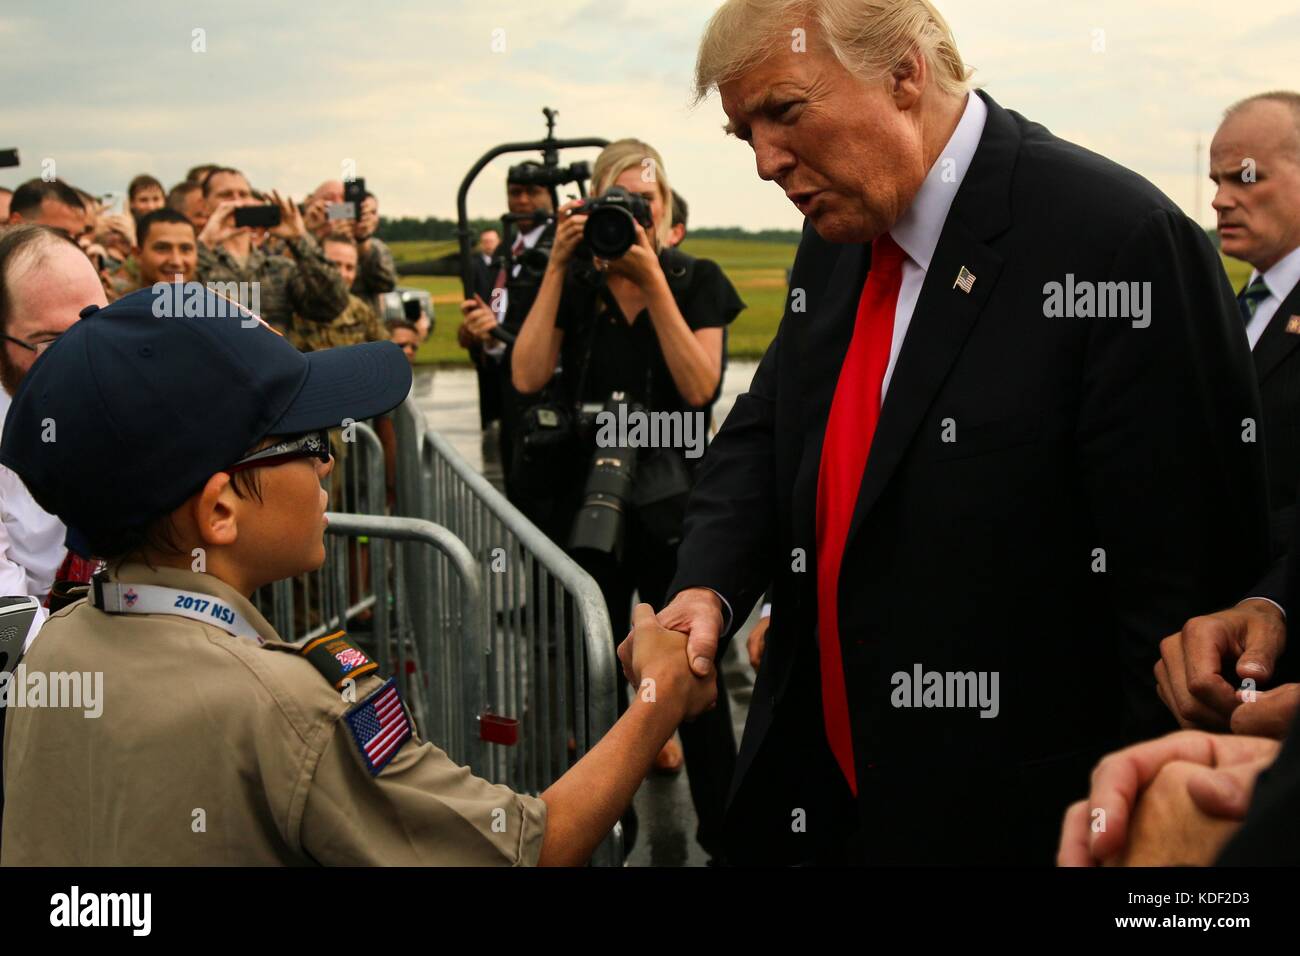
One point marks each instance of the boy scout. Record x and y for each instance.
(164, 441)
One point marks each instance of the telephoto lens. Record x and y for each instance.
(601, 522)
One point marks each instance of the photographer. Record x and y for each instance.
(376, 271)
(502, 299)
(301, 284)
(647, 324)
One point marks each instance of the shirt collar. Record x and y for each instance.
(919, 228)
(1283, 277)
(531, 237)
(136, 573)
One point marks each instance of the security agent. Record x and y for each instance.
(220, 743)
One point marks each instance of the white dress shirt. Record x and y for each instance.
(918, 229)
(497, 348)
(31, 539)
(1281, 279)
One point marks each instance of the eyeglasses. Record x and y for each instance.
(37, 347)
(310, 445)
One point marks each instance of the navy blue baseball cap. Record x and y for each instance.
(134, 407)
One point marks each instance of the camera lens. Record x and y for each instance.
(610, 232)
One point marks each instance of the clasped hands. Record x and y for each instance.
(676, 646)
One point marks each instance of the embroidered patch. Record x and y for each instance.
(338, 658)
(380, 726)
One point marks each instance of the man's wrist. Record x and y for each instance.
(1262, 605)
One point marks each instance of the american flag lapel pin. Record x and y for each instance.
(965, 280)
(1293, 325)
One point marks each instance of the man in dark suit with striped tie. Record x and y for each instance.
(1255, 161)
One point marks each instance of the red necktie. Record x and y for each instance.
(849, 430)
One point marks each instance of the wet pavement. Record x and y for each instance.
(449, 400)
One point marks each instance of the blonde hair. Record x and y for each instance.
(624, 154)
(871, 38)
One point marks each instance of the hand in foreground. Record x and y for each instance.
(1098, 829)
(1170, 827)
(695, 612)
(1190, 676)
(658, 656)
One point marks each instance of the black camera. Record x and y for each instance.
(601, 522)
(548, 175)
(610, 230)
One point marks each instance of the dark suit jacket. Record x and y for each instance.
(982, 555)
(1277, 367)
(1271, 834)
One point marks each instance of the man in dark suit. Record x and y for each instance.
(982, 487)
(504, 300)
(1255, 162)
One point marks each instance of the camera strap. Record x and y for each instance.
(603, 293)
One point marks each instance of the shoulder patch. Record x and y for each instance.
(379, 726)
(338, 658)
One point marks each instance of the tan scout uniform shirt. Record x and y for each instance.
(214, 750)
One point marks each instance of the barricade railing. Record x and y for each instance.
(437, 651)
(549, 671)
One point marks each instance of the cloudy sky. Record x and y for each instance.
(414, 93)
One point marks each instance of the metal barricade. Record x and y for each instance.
(437, 652)
(549, 663)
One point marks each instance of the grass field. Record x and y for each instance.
(757, 269)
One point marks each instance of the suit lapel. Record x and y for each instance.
(944, 313)
(1277, 343)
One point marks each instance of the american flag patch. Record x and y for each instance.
(965, 280)
(379, 726)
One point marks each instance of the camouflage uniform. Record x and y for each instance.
(121, 279)
(357, 323)
(376, 273)
(302, 284)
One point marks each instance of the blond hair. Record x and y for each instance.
(871, 38)
(624, 154)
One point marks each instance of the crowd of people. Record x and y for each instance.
(317, 276)
(1006, 553)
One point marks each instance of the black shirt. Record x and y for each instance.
(627, 357)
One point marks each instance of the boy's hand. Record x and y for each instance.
(659, 655)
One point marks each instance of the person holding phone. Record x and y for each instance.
(339, 208)
(301, 283)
